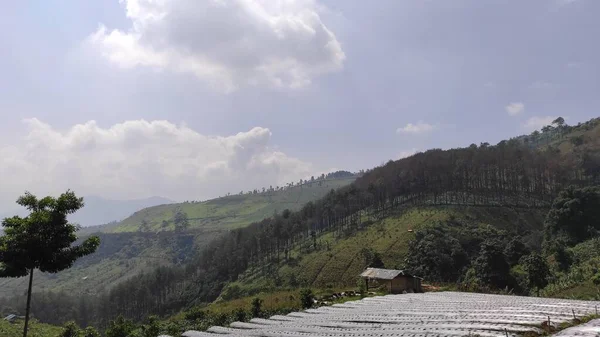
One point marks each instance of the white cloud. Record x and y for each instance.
(418, 128)
(139, 159)
(407, 153)
(227, 43)
(514, 109)
(537, 122)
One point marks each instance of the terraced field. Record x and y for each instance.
(417, 315)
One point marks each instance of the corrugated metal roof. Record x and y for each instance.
(383, 274)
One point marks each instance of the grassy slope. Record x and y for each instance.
(35, 329)
(232, 211)
(126, 252)
(340, 265)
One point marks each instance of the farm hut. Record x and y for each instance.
(396, 281)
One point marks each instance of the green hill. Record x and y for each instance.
(119, 257)
(126, 251)
(464, 216)
(339, 259)
(228, 212)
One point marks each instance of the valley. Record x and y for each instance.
(129, 248)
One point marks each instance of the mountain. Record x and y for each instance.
(126, 250)
(484, 217)
(99, 210)
(464, 207)
(232, 211)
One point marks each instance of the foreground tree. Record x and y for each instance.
(42, 240)
(537, 271)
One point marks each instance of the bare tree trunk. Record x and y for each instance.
(28, 303)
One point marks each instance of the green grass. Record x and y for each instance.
(339, 265)
(232, 211)
(35, 329)
(586, 290)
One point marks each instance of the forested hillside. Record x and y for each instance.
(469, 209)
(142, 242)
(231, 211)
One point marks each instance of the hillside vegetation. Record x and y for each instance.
(119, 257)
(35, 329)
(231, 211)
(339, 258)
(468, 209)
(129, 248)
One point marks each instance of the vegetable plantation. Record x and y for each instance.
(418, 315)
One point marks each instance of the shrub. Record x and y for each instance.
(120, 327)
(90, 332)
(152, 329)
(240, 315)
(306, 298)
(70, 330)
(256, 307)
(195, 314)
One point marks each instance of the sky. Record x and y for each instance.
(192, 99)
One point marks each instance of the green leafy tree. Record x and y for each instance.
(514, 250)
(573, 218)
(90, 332)
(240, 315)
(306, 298)
(151, 328)
(577, 140)
(436, 254)
(70, 330)
(42, 240)
(559, 122)
(256, 309)
(490, 266)
(537, 271)
(372, 258)
(181, 221)
(164, 224)
(144, 226)
(120, 327)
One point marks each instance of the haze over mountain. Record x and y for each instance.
(98, 210)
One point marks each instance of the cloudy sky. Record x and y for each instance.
(191, 99)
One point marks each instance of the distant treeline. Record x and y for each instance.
(511, 173)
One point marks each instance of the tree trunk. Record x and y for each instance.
(28, 303)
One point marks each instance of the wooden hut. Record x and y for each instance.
(396, 281)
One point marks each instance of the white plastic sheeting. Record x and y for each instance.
(591, 329)
(416, 315)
